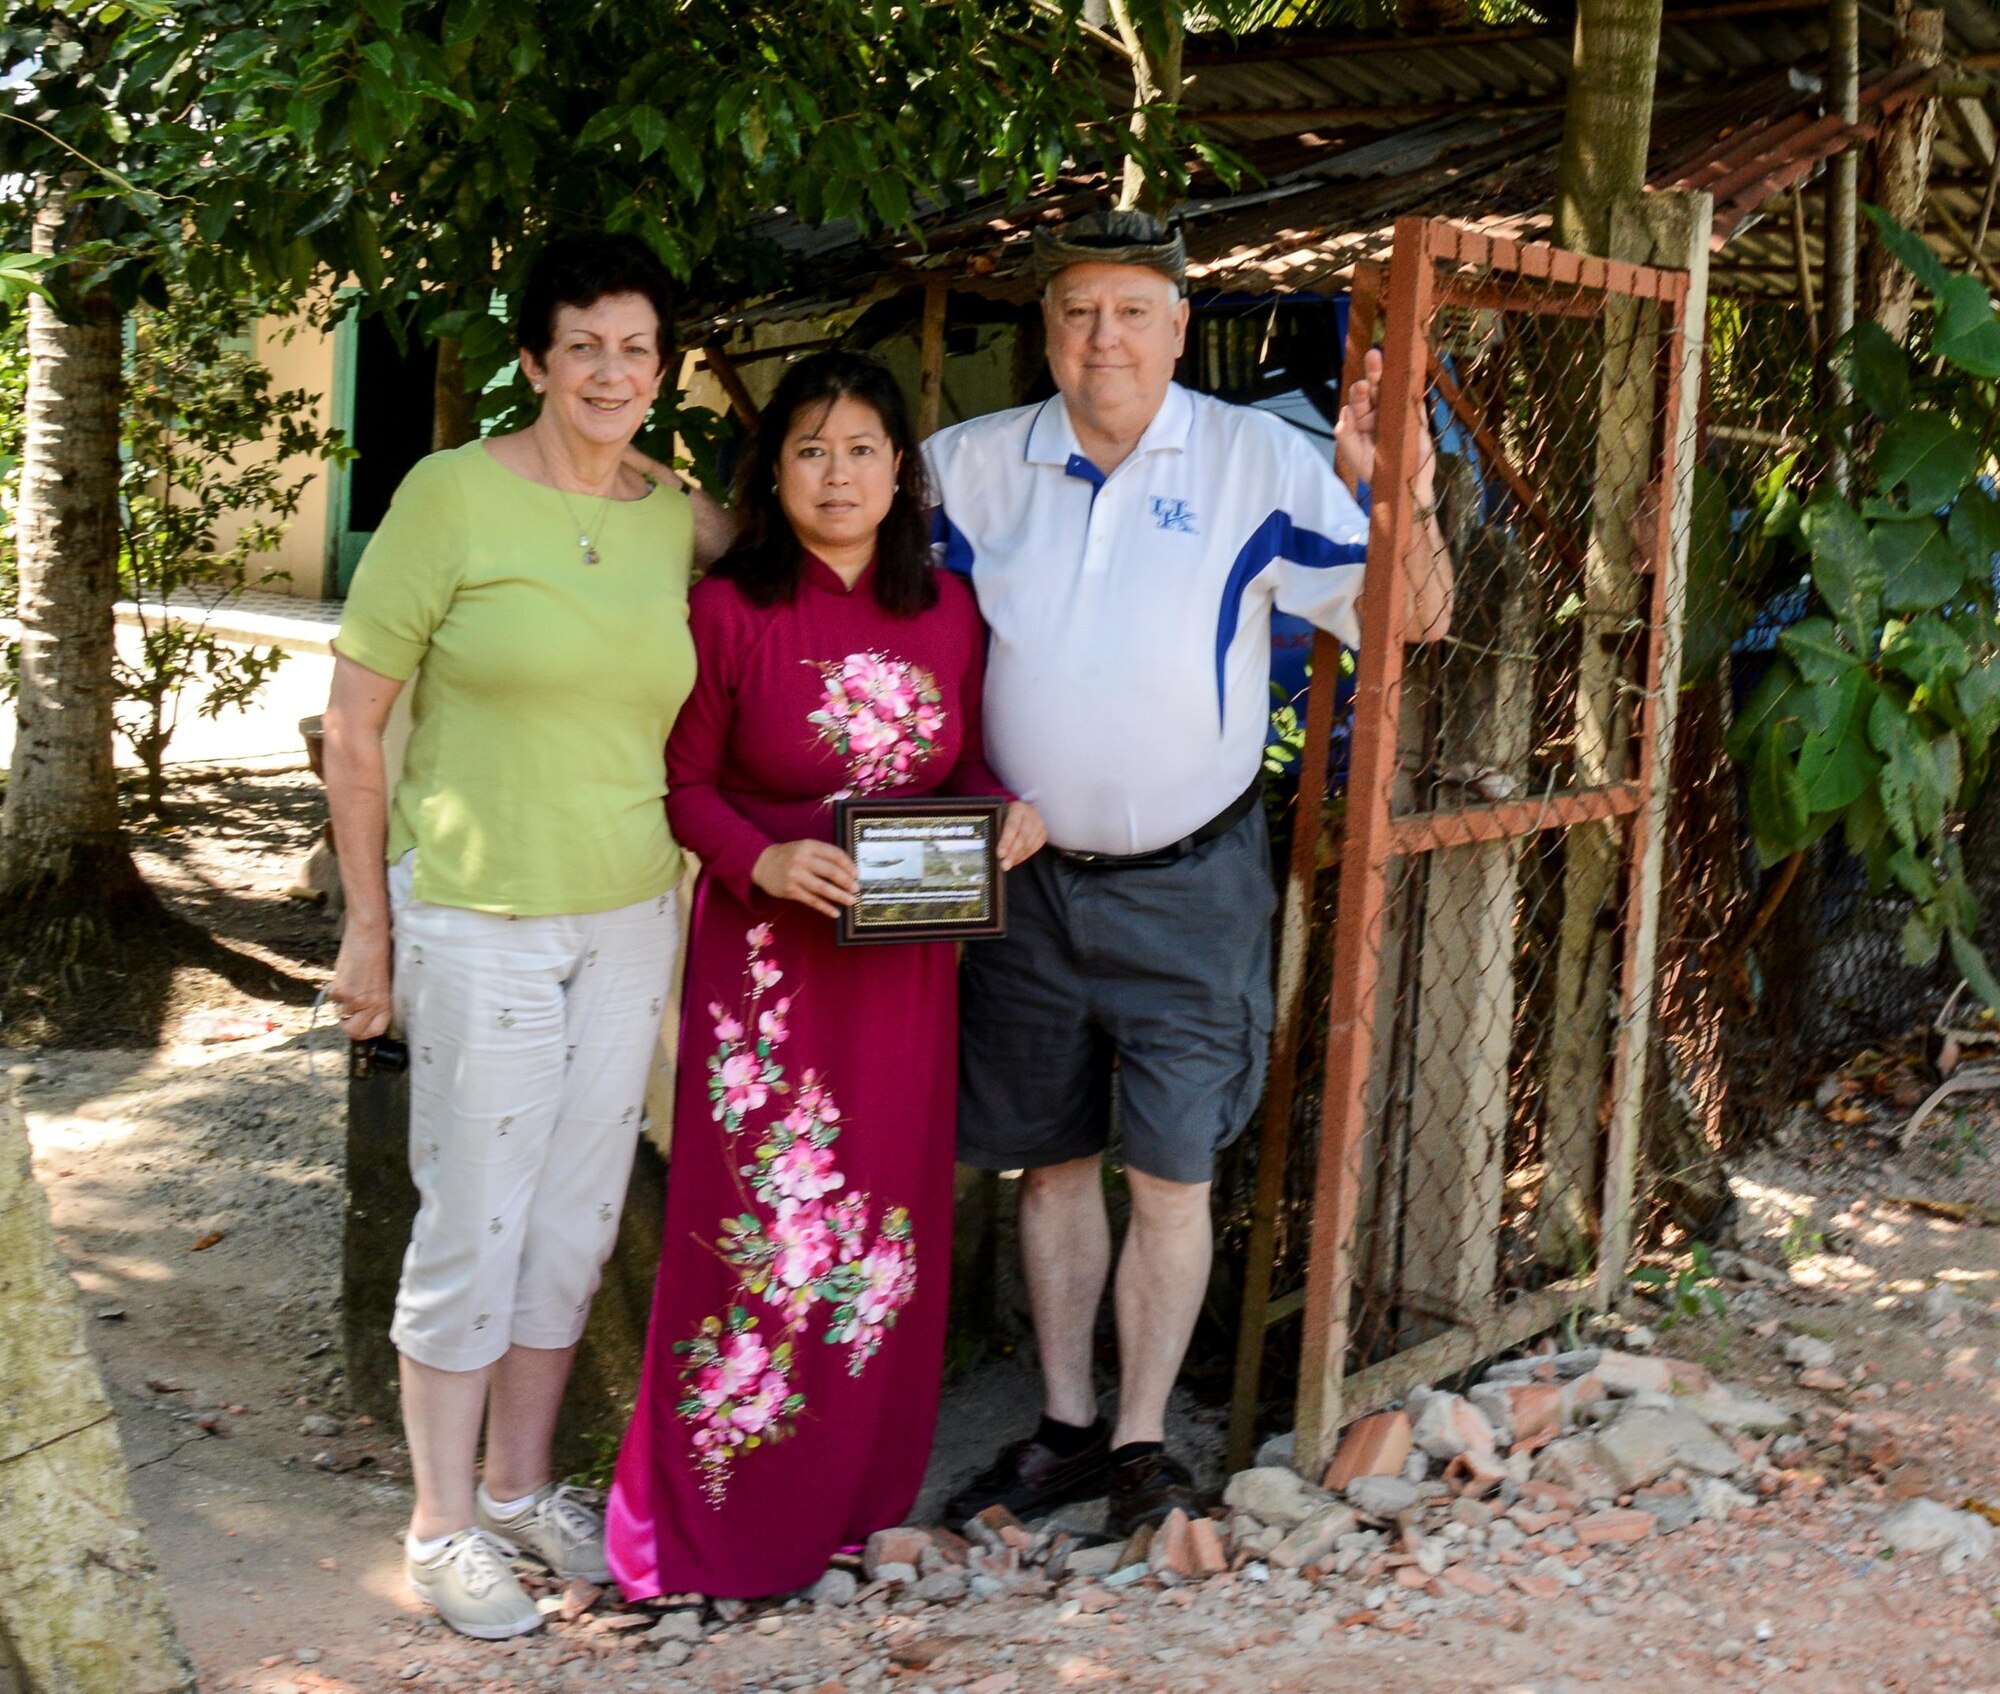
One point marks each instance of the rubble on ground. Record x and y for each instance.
(1921, 1525)
(1531, 1485)
(1607, 1479)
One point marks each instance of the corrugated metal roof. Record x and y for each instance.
(1348, 133)
(1251, 89)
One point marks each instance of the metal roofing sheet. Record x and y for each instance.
(1246, 89)
(1736, 114)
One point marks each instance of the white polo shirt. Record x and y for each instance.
(1128, 680)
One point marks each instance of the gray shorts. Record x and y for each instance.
(1166, 969)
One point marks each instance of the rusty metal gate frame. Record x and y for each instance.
(1546, 281)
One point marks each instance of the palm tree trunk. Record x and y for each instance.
(65, 872)
(1608, 118)
(82, 1606)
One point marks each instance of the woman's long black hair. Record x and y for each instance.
(766, 560)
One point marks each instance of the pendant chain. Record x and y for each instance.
(585, 544)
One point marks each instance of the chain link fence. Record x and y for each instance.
(1461, 990)
(1487, 1082)
(1714, 1068)
(1764, 974)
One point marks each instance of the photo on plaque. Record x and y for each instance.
(930, 869)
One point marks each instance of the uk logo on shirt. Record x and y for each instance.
(1176, 516)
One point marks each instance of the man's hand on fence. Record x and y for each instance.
(1356, 433)
(1428, 562)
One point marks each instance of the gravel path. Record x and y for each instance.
(198, 1191)
(276, 1517)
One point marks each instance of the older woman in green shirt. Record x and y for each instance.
(511, 904)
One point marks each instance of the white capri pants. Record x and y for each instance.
(530, 1041)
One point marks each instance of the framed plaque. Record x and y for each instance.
(930, 868)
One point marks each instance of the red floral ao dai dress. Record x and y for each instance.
(792, 1367)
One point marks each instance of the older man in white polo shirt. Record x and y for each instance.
(1128, 540)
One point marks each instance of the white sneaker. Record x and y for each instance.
(562, 1526)
(470, 1583)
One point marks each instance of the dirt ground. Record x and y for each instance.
(197, 1188)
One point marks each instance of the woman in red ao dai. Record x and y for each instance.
(792, 1368)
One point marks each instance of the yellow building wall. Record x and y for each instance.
(298, 355)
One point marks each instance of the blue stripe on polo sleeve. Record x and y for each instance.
(957, 555)
(1277, 537)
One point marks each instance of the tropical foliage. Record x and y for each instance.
(1879, 714)
(425, 148)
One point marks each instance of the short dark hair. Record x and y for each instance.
(580, 270)
(767, 559)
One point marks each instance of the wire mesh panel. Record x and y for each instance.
(1759, 419)
(1763, 972)
(1483, 973)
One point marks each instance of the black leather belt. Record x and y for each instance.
(1221, 824)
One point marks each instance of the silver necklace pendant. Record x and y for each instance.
(584, 544)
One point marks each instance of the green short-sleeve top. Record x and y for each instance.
(535, 779)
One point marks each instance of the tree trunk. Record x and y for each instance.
(1608, 120)
(82, 1610)
(1612, 594)
(1842, 230)
(65, 873)
(1902, 172)
(1155, 36)
(1606, 128)
(454, 409)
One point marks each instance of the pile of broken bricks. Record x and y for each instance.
(1531, 1481)
(1529, 1485)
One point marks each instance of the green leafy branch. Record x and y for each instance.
(21, 276)
(1879, 711)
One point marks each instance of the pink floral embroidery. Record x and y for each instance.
(814, 1098)
(887, 1278)
(743, 1085)
(883, 716)
(738, 1391)
(739, 1366)
(803, 1241)
(803, 1172)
